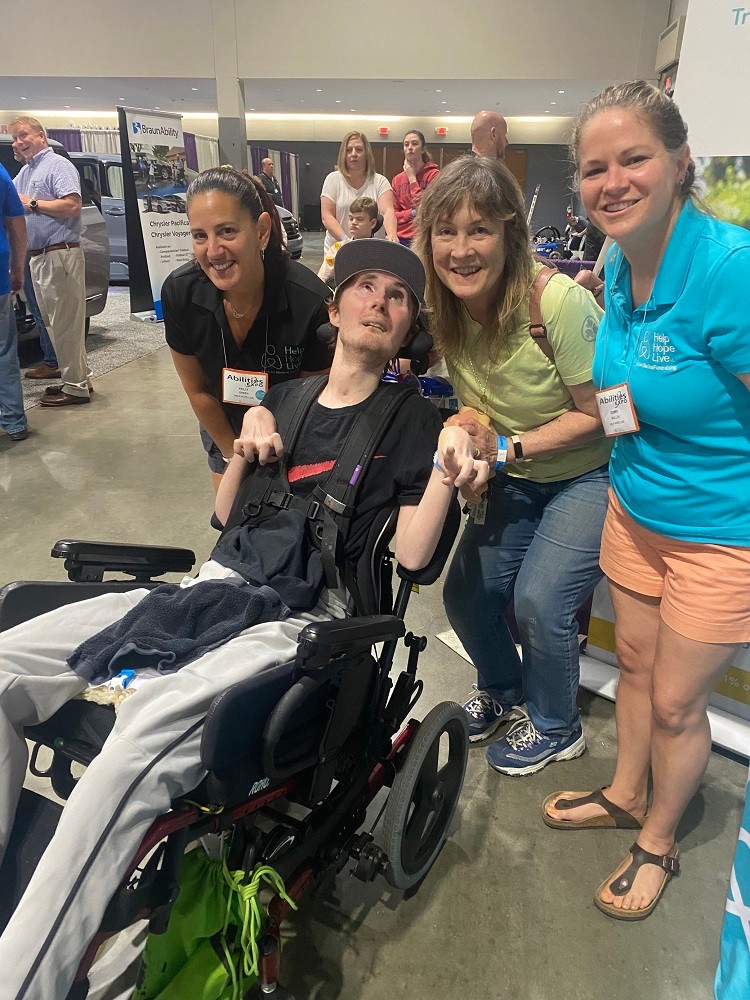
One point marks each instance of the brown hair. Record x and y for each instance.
(654, 108)
(34, 124)
(487, 186)
(369, 157)
(367, 205)
(251, 195)
(420, 135)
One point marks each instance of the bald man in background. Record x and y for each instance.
(269, 181)
(489, 135)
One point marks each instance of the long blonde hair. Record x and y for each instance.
(369, 156)
(488, 187)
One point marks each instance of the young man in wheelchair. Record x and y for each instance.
(264, 557)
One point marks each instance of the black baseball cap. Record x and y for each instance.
(357, 256)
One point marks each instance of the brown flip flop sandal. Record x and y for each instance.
(620, 886)
(616, 818)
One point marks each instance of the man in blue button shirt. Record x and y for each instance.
(12, 256)
(50, 190)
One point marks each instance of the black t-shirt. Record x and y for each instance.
(397, 475)
(399, 470)
(293, 308)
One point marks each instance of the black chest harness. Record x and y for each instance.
(332, 503)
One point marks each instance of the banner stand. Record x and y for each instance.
(727, 731)
(156, 178)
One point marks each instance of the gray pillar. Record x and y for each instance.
(230, 92)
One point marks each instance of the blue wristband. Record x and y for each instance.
(502, 452)
(437, 464)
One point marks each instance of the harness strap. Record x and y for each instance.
(537, 329)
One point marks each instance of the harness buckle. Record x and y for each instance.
(335, 505)
(313, 510)
(280, 500)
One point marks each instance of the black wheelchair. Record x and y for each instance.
(293, 756)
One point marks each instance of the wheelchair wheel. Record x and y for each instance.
(425, 794)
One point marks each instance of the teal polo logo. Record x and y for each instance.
(655, 352)
(137, 127)
(644, 348)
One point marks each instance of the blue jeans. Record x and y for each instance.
(12, 415)
(48, 351)
(540, 546)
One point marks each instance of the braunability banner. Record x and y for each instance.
(154, 146)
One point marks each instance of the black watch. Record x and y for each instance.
(34, 205)
(515, 439)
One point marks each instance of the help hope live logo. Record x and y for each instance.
(656, 352)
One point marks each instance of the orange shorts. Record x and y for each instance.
(704, 589)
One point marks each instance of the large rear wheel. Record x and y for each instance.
(425, 794)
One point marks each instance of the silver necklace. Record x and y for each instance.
(234, 311)
(482, 388)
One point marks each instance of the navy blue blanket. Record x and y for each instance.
(174, 625)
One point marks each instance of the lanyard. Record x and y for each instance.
(637, 339)
(263, 360)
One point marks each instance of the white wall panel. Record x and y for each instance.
(476, 39)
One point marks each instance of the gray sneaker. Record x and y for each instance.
(485, 715)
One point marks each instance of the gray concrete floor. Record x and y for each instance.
(507, 910)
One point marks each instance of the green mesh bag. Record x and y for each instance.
(209, 950)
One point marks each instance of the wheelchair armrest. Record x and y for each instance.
(320, 641)
(90, 560)
(429, 573)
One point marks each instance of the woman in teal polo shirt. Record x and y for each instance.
(672, 368)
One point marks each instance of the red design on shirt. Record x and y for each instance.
(298, 472)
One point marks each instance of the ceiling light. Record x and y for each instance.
(443, 102)
(67, 107)
(561, 91)
(553, 102)
(353, 110)
(438, 91)
(23, 98)
(546, 112)
(252, 109)
(79, 88)
(193, 88)
(319, 90)
(120, 98)
(338, 100)
(157, 109)
(302, 100)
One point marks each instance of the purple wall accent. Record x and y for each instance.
(69, 137)
(257, 153)
(191, 153)
(572, 267)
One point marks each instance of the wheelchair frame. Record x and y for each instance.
(334, 772)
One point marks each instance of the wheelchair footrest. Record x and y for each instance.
(36, 821)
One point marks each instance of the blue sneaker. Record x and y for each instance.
(485, 715)
(524, 750)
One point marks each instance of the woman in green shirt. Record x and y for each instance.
(535, 535)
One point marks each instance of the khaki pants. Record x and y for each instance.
(60, 287)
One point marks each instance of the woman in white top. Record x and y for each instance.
(354, 177)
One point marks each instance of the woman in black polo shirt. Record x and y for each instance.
(242, 317)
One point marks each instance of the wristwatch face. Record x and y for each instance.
(33, 204)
